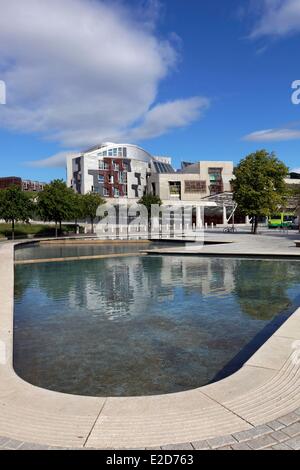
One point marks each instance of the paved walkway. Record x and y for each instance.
(256, 407)
(237, 244)
(280, 434)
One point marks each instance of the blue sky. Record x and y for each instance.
(192, 79)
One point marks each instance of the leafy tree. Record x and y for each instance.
(56, 203)
(296, 197)
(91, 202)
(15, 206)
(259, 187)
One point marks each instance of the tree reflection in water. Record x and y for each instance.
(144, 325)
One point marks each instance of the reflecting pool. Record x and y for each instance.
(145, 325)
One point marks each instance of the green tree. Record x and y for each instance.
(259, 187)
(56, 203)
(148, 200)
(15, 206)
(90, 203)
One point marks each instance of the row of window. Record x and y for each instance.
(195, 186)
(114, 152)
(106, 166)
(122, 178)
(116, 192)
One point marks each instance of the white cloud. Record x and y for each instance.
(79, 71)
(295, 170)
(273, 135)
(56, 161)
(166, 116)
(159, 120)
(277, 18)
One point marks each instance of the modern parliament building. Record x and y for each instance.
(118, 171)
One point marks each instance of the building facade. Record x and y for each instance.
(193, 182)
(114, 170)
(128, 171)
(25, 185)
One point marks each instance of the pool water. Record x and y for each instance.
(48, 251)
(145, 325)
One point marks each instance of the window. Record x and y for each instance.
(195, 187)
(120, 152)
(105, 192)
(122, 177)
(100, 179)
(115, 152)
(110, 152)
(101, 165)
(104, 153)
(175, 188)
(125, 152)
(116, 167)
(111, 179)
(116, 192)
(215, 174)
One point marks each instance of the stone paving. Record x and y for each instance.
(280, 434)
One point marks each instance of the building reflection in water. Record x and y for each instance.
(144, 325)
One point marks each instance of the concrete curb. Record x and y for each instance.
(266, 388)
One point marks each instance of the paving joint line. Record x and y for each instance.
(94, 424)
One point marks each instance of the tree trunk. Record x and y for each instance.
(255, 225)
(60, 230)
(92, 222)
(13, 230)
(55, 229)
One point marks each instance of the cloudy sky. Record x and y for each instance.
(191, 79)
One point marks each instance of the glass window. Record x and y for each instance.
(110, 152)
(115, 152)
(195, 186)
(125, 152)
(105, 192)
(101, 165)
(104, 153)
(120, 152)
(100, 179)
(116, 192)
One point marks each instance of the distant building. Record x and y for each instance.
(25, 185)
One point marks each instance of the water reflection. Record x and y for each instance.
(142, 325)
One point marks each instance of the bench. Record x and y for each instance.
(297, 243)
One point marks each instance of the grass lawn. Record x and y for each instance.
(35, 230)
